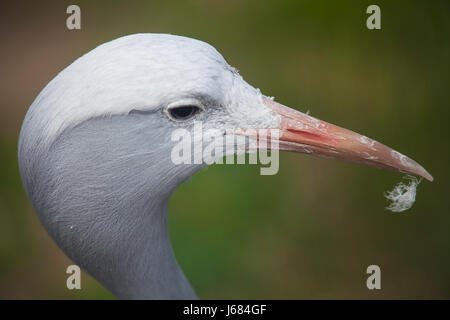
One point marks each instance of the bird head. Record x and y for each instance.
(175, 81)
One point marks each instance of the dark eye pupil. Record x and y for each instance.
(183, 112)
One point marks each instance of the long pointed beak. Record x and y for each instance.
(300, 132)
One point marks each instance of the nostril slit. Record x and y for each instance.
(309, 135)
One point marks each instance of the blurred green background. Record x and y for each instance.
(311, 230)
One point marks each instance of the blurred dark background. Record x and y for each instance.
(311, 230)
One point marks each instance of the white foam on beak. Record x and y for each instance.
(403, 195)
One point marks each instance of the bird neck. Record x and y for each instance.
(104, 202)
(146, 265)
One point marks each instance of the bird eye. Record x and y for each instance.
(183, 112)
